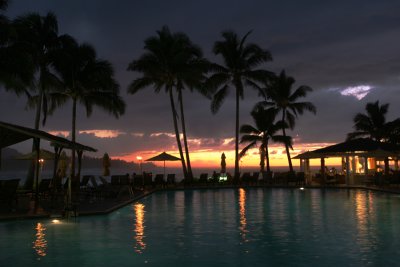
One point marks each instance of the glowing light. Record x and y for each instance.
(140, 245)
(358, 92)
(55, 221)
(40, 243)
(301, 188)
(103, 133)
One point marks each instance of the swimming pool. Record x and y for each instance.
(220, 227)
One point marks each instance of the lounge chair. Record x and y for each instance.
(245, 178)
(159, 180)
(44, 188)
(267, 178)
(171, 179)
(148, 179)
(8, 192)
(203, 178)
(254, 178)
(138, 181)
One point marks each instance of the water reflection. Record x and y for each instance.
(242, 213)
(140, 245)
(366, 216)
(40, 243)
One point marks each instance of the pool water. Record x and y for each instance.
(219, 227)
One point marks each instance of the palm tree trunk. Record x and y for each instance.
(237, 174)
(189, 167)
(286, 144)
(262, 158)
(178, 139)
(31, 171)
(267, 158)
(73, 138)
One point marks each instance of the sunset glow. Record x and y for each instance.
(64, 134)
(211, 158)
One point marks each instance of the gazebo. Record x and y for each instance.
(359, 156)
(11, 134)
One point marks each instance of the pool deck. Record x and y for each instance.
(26, 208)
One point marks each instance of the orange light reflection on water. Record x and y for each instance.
(40, 243)
(140, 245)
(242, 213)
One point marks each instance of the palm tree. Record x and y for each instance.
(16, 67)
(86, 80)
(240, 60)
(192, 76)
(171, 61)
(37, 37)
(280, 96)
(265, 129)
(373, 124)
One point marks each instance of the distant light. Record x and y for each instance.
(301, 188)
(139, 158)
(55, 221)
(358, 92)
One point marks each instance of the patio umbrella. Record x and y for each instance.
(106, 165)
(163, 157)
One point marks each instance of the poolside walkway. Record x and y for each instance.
(26, 209)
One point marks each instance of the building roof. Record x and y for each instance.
(361, 147)
(11, 134)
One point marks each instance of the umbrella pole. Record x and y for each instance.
(164, 170)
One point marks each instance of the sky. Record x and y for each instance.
(347, 51)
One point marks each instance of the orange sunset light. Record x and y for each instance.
(211, 158)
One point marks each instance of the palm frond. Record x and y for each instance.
(248, 129)
(139, 84)
(246, 148)
(218, 99)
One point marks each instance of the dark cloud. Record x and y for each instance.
(326, 45)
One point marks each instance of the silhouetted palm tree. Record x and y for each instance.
(36, 37)
(373, 124)
(3, 4)
(171, 61)
(281, 97)
(86, 80)
(265, 129)
(393, 128)
(16, 67)
(240, 60)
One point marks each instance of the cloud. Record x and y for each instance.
(103, 133)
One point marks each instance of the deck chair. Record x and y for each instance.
(245, 178)
(171, 179)
(159, 180)
(8, 192)
(203, 178)
(44, 188)
(148, 179)
(254, 178)
(138, 181)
